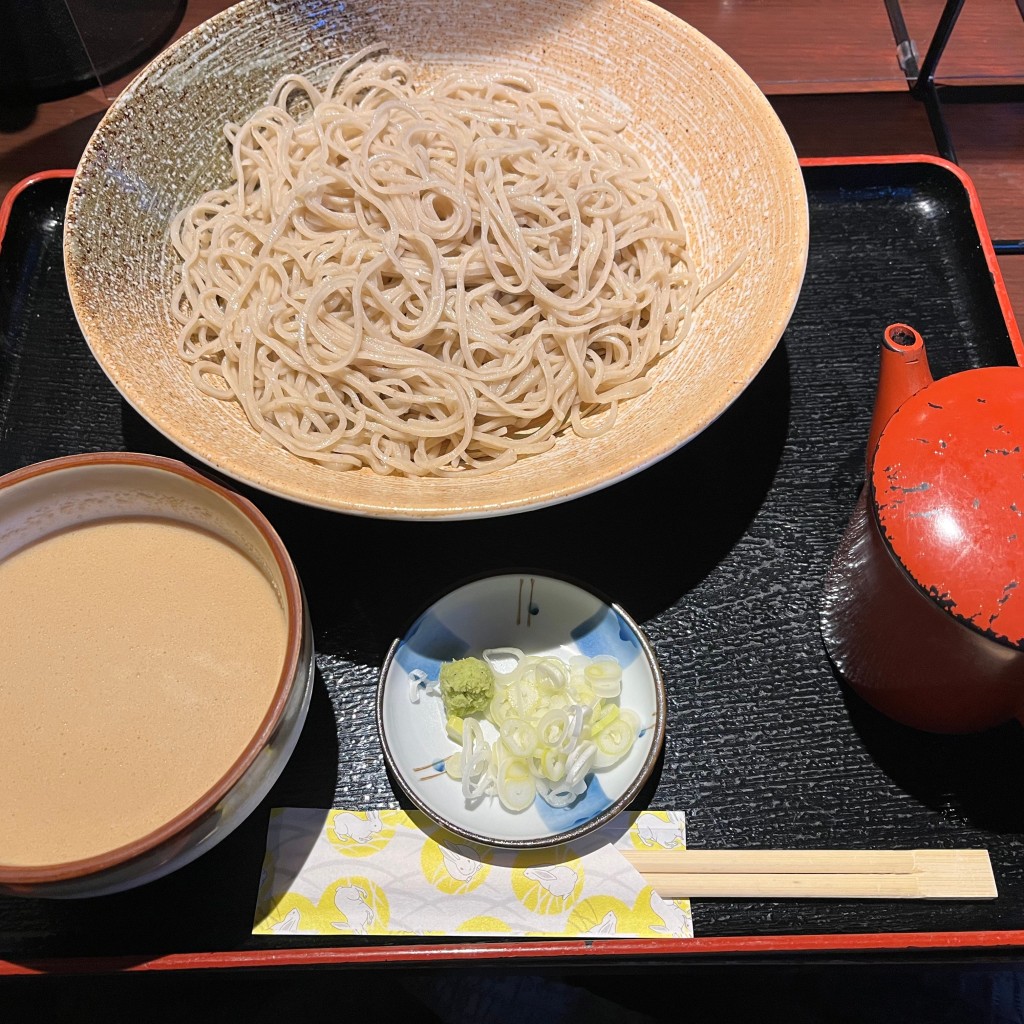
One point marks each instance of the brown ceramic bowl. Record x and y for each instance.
(48, 500)
(708, 133)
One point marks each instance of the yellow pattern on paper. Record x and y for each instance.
(358, 834)
(293, 913)
(453, 867)
(665, 830)
(547, 888)
(600, 915)
(485, 926)
(414, 878)
(659, 917)
(604, 915)
(356, 905)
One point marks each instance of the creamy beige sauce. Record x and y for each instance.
(137, 659)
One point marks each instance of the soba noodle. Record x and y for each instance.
(429, 280)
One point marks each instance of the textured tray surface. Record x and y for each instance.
(719, 552)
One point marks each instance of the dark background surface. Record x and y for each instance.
(719, 552)
(848, 993)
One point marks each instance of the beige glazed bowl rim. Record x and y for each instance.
(571, 469)
(292, 600)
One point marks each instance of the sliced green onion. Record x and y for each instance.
(580, 762)
(604, 715)
(552, 764)
(604, 676)
(503, 661)
(519, 736)
(453, 766)
(614, 741)
(552, 674)
(557, 722)
(515, 786)
(476, 761)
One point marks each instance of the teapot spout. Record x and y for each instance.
(903, 371)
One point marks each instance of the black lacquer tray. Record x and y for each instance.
(719, 551)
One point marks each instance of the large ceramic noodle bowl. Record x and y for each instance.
(435, 298)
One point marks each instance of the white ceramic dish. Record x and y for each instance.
(539, 615)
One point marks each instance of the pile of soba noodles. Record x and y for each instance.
(429, 279)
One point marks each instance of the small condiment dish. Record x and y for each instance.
(538, 615)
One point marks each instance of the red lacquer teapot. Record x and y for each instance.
(923, 610)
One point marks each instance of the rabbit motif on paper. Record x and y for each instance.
(290, 923)
(674, 921)
(654, 831)
(351, 901)
(360, 830)
(606, 926)
(459, 862)
(559, 880)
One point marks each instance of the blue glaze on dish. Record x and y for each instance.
(428, 643)
(561, 819)
(607, 632)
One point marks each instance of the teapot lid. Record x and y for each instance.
(947, 487)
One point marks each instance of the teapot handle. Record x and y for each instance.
(903, 371)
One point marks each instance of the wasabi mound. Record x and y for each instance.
(467, 686)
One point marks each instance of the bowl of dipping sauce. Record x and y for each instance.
(522, 711)
(157, 667)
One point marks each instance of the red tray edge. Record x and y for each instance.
(557, 949)
(15, 190)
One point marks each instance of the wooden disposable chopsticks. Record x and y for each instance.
(833, 874)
